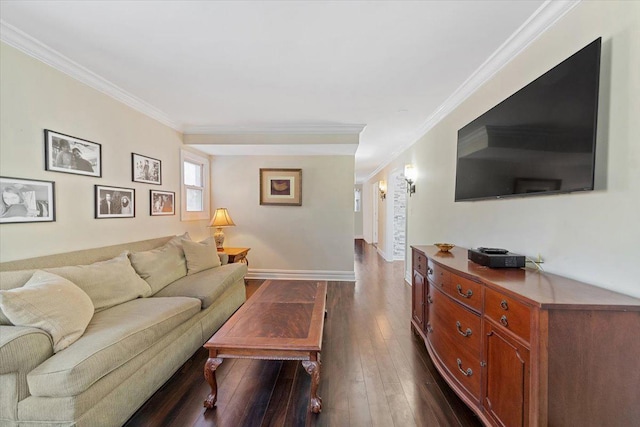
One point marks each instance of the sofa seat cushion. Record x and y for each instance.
(113, 337)
(206, 285)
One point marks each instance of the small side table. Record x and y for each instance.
(237, 254)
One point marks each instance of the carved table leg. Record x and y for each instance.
(313, 369)
(210, 375)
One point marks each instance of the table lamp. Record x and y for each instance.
(221, 218)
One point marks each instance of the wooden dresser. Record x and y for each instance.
(527, 348)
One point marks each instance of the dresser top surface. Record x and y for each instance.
(539, 288)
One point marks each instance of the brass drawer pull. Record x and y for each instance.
(504, 321)
(466, 333)
(466, 373)
(467, 295)
(429, 328)
(504, 305)
(429, 299)
(429, 271)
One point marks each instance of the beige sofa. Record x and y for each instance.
(129, 348)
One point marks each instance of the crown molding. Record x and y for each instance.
(38, 50)
(277, 149)
(279, 129)
(542, 19)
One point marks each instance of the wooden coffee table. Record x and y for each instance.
(283, 320)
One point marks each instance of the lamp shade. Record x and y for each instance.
(409, 173)
(221, 218)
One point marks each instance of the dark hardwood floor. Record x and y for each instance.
(375, 372)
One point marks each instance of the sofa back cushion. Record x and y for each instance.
(51, 303)
(161, 266)
(107, 283)
(200, 255)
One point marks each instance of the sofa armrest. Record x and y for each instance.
(224, 258)
(21, 350)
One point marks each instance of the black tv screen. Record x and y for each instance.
(540, 140)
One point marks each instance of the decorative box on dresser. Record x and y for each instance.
(528, 348)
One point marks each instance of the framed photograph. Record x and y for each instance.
(281, 187)
(26, 200)
(536, 185)
(65, 153)
(115, 202)
(162, 202)
(146, 169)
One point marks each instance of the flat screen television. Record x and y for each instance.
(540, 140)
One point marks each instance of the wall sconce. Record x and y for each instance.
(382, 188)
(410, 177)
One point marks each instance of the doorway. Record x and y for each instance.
(399, 225)
(374, 207)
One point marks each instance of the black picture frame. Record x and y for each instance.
(81, 157)
(114, 202)
(146, 169)
(162, 203)
(25, 200)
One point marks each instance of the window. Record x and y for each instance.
(195, 186)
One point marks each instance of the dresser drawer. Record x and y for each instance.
(466, 291)
(509, 313)
(455, 321)
(437, 275)
(420, 263)
(457, 349)
(461, 364)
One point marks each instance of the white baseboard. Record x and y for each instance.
(336, 276)
(407, 277)
(384, 255)
(359, 237)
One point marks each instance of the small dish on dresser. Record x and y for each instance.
(445, 247)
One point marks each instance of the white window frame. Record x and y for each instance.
(185, 215)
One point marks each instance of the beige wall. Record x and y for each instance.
(34, 97)
(590, 236)
(315, 239)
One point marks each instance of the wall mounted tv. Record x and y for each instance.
(540, 140)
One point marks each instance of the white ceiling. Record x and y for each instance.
(229, 67)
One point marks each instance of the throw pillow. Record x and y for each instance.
(51, 303)
(200, 255)
(163, 265)
(10, 280)
(107, 283)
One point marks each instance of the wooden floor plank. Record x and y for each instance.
(374, 372)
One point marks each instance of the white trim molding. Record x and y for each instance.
(277, 149)
(407, 277)
(384, 255)
(40, 51)
(544, 18)
(279, 129)
(334, 276)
